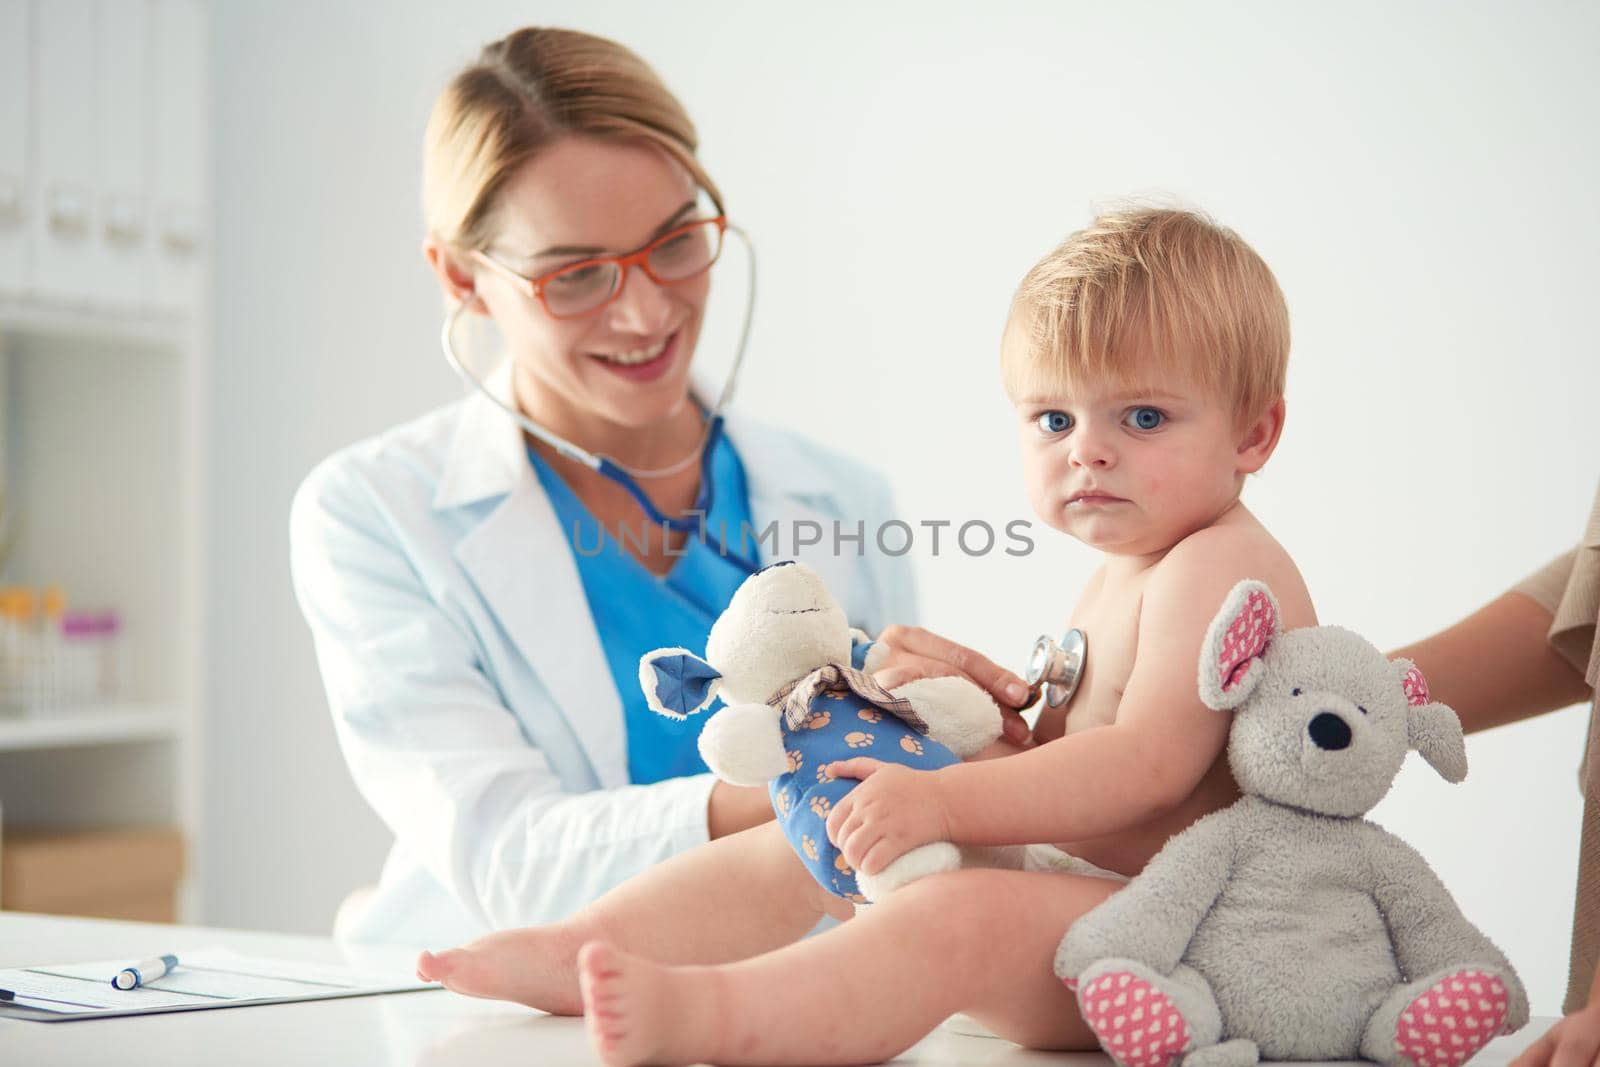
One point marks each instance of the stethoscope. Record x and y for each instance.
(689, 523)
(1057, 666)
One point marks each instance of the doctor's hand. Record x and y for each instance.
(905, 653)
(891, 812)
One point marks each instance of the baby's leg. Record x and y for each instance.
(729, 899)
(978, 941)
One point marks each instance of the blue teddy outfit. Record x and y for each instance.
(827, 718)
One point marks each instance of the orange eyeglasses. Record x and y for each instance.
(583, 288)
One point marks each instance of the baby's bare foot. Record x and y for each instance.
(535, 966)
(634, 1009)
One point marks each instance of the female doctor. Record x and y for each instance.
(480, 656)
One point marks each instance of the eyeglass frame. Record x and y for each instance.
(533, 287)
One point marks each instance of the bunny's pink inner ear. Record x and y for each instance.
(1416, 687)
(1246, 639)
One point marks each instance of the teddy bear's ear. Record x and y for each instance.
(677, 683)
(1432, 728)
(1235, 643)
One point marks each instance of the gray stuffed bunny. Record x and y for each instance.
(1286, 926)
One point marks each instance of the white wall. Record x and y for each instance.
(1418, 177)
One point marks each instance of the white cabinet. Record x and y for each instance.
(104, 260)
(107, 127)
(177, 181)
(15, 35)
(123, 62)
(61, 217)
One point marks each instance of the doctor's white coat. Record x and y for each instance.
(468, 685)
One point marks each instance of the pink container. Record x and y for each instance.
(88, 653)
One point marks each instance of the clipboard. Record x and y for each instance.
(204, 979)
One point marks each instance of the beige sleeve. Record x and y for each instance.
(1569, 589)
(1546, 585)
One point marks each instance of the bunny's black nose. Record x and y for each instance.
(1330, 732)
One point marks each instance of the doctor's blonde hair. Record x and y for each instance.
(525, 92)
(1145, 293)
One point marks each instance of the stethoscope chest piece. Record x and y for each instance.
(1058, 666)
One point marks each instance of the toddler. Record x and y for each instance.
(1146, 359)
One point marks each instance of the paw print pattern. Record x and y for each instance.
(810, 847)
(843, 867)
(858, 739)
(848, 893)
(817, 720)
(870, 715)
(911, 745)
(824, 773)
(820, 806)
(781, 798)
(795, 761)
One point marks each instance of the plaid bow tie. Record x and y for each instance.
(794, 699)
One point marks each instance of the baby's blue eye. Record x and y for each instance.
(1146, 418)
(1054, 422)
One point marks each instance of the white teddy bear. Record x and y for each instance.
(798, 695)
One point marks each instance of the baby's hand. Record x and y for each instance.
(891, 812)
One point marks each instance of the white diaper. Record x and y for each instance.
(1051, 858)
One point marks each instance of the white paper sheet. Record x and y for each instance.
(209, 978)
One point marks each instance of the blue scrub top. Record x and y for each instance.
(636, 612)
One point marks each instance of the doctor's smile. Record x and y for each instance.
(644, 364)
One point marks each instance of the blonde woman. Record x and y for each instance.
(479, 598)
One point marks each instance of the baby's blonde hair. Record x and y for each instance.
(1145, 293)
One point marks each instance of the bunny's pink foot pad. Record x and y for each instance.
(1135, 1022)
(1450, 1022)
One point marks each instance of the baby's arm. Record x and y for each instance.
(1099, 781)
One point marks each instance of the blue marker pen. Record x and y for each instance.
(145, 971)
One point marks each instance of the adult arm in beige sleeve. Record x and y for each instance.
(1496, 666)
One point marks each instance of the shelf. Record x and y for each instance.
(103, 725)
(38, 318)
